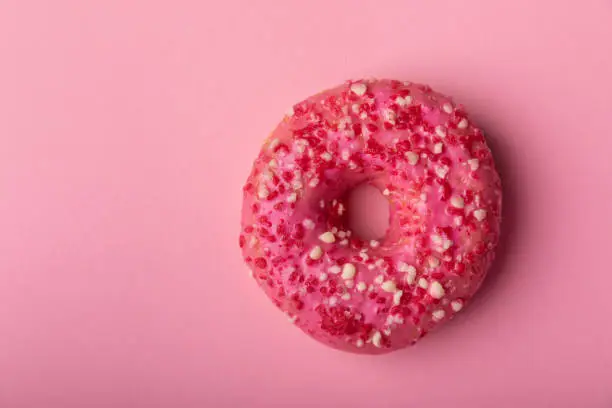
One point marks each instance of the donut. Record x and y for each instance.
(424, 154)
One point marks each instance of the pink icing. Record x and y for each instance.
(433, 165)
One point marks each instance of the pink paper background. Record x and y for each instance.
(128, 127)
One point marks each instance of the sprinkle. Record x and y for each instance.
(323, 277)
(388, 286)
(290, 112)
(326, 156)
(436, 290)
(456, 305)
(400, 101)
(273, 144)
(335, 269)
(308, 223)
(358, 88)
(423, 197)
(292, 198)
(348, 271)
(263, 192)
(480, 214)
(408, 99)
(345, 154)
(327, 237)
(457, 202)
(434, 262)
(376, 338)
(462, 124)
(344, 242)
(273, 163)
(423, 283)
(438, 315)
(474, 164)
(437, 148)
(397, 297)
(386, 192)
(340, 209)
(442, 171)
(346, 296)
(314, 182)
(412, 157)
(252, 242)
(361, 286)
(379, 279)
(440, 131)
(292, 319)
(316, 253)
(447, 107)
(374, 243)
(349, 283)
(333, 300)
(359, 343)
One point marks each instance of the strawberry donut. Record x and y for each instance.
(428, 159)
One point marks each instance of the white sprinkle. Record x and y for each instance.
(308, 224)
(456, 305)
(314, 182)
(273, 163)
(358, 88)
(340, 209)
(376, 338)
(359, 343)
(462, 124)
(292, 198)
(408, 99)
(334, 269)
(458, 220)
(292, 319)
(386, 192)
(346, 296)
(442, 171)
(352, 165)
(348, 271)
(436, 290)
(433, 262)
(326, 156)
(341, 234)
(333, 300)
(363, 115)
(252, 242)
(440, 131)
(355, 108)
(423, 283)
(388, 286)
(447, 107)
(300, 145)
(423, 197)
(323, 277)
(361, 286)
(387, 331)
(344, 242)
(457, 202)
(273, 144)
(316, 253)
(438, 315)
(290, 112)
(437, 148)
(371, 267)
(263, 192)
(474, 164)
(436, 239)
(400, 101)
(374, 243)
(480, 214)
(327, 237)
(412, 157)
(334, 230)
(397, 297)
(399, 319)
(346, 154)
(349, 283)
(379, 279)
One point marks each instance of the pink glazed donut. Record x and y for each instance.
(434, 167)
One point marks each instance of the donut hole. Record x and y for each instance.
(368, 212)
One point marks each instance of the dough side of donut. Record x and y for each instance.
(422, 151)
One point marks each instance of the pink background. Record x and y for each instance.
(128, 127)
